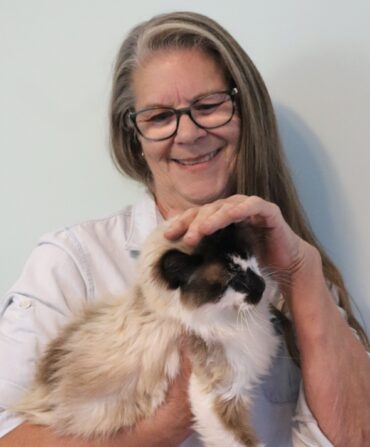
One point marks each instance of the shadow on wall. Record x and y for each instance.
(323, 198)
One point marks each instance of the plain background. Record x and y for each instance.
(55, 74)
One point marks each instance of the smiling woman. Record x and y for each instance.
(192, 120)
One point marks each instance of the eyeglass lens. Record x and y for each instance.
(208, 112)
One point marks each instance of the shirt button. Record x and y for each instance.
(25, 303)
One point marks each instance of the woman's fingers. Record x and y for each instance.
(219, 218)
(257, 211)
(195, 223)
(207, 221)
(186, 225)
(180, 224)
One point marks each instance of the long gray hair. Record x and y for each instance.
(261, 168)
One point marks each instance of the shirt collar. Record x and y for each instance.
(145, 217)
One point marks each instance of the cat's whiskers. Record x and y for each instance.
(254, 317)
(280, 276)
(240, 318)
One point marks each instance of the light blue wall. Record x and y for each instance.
(56, 64)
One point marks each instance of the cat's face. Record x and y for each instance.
(221, 270)
(216, 280)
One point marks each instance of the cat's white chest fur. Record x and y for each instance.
(248, 348)
(249, 351)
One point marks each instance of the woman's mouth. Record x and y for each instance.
(197, 160)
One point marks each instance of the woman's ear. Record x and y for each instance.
(176, 267)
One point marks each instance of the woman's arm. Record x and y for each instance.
(335, 366)
(167, 428)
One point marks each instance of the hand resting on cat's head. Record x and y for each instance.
(112, 366)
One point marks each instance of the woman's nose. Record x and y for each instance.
(188, 131)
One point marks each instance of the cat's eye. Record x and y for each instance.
(233, 268)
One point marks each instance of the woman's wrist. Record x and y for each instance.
(305, 276)
(309, 299)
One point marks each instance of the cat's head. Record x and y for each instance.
(215, 280)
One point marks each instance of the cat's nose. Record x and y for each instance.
(256, 286)
(251, 284)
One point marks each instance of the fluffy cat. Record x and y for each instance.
(112, 365)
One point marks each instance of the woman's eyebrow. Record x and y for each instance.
(163, 105)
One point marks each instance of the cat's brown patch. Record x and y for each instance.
(50, 363)
(234, 416)
(209, 363)
(207, 287)
(213, 272)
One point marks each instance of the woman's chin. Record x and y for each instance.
(202, 196)
(180, 197)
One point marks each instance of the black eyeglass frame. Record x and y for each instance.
(185, 111)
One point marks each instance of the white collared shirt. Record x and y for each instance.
(81, 263)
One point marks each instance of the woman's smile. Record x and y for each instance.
(201, 160)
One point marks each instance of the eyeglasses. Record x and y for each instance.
(208, 112)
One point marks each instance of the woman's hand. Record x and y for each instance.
(282, 249)
(171, 424)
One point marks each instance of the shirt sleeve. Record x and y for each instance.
(49, 291)
(306, 431)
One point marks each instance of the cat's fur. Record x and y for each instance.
(112, 366)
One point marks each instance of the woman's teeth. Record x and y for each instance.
(197, 160)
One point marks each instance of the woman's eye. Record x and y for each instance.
(160, 117)
(155, 116)
(206, 107)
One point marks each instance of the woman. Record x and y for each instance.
(191, 119)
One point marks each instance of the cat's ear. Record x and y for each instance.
(176, 267)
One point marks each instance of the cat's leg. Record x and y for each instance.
(220, 423)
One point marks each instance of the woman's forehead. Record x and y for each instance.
(176, 77)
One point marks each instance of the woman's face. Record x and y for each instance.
(195, 166)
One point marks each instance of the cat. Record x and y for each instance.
(112, 365)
